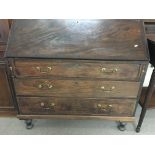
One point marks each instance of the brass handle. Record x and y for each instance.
(44, 69)
(51, 105)
(104, 107)
(45, 84)
(42, 104)
(108, 90)
(106, 70)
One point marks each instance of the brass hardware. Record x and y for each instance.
(44, 70)
(52, 104)
(47, 107)
(40, 86)
(108, 90)
(106, 70)
(42, 104)
(99, 105)
(104, 107)
(50, 86)
(10, 68)
(135, 45)
(45, 84)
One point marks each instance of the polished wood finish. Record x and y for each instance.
(76, 88)
(52, 105)
(78, 68)
(78, 39)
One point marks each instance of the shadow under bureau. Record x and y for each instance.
(77, 69)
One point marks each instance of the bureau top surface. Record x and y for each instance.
(77, 39)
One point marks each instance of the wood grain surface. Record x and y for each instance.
(76, 88)
(78, 39)
(73, 106)
(78, 68)
(6, 103)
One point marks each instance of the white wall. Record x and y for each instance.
(148, 76)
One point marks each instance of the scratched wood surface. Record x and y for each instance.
(70, 106)
(78, 68)
(76, 88)
(77, 39)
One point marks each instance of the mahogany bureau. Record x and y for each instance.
(77, 69)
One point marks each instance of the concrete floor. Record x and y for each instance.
(13, 126)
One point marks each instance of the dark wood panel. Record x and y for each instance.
(8, 113)
(89, 69)
(6, 102)
(76, 88)
(44, 105)
(79, 39)
(149, 25)
(4, 30)
(152, 102)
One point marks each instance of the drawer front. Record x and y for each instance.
(51, 105)
(76, 88)
(89, 69)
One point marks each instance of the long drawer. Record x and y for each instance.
(76, 88)
(77, 68)
(52, 105)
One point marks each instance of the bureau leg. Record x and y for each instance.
(29, 124)
(121, 126)
(147, 99)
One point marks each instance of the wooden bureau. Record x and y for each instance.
(77, 69)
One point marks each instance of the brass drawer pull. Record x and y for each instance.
(42, 104)
(105, 108)
(106, 70)
(48, 106)
(45, 84)
(44, 69)
(108, 90)
(52, 104)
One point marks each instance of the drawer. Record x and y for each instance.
(76, 88)
(77, 68)
(51, 105)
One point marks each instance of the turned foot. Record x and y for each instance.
(138, 129)
(121, 126)
(29, 124)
